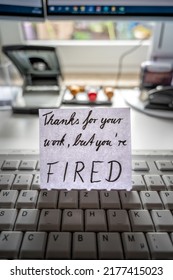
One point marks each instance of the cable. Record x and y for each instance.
(120, 62)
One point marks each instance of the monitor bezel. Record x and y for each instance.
(108, 17)
(25, 17)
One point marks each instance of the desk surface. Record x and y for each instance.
(22, 131)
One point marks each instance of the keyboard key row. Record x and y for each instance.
(19, 181)
(85, 245)
(20, 165)
(83, 199)
(86, 220)
(139, 182)
(162, 165)
(137, 165)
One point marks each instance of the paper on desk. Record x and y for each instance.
(85, 148)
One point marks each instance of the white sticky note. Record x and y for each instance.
(85, 148)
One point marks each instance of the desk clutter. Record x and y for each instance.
(40, 68)
(88, 95)
(42, 75)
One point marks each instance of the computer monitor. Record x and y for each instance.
(143, 9)
(22, 9)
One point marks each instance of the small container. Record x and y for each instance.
(92, 96)
(155, 74)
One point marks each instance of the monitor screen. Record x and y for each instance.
(21, 9)
(111, 8)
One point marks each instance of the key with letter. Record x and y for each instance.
(33, 245)
(84, 246)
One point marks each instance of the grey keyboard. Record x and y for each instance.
(81, 224)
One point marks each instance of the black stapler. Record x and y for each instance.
(160, 99)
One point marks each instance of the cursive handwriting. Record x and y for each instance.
(104, 121)
(79, 141)
(50, 120)
(57, 142)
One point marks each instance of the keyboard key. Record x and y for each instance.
(38, 166)
(33, 245)
(27, 219)
(10, 242)
(6, 181)
(10, 165)
(138, 183)
(36, 182)
(27, 165)
(8, 198)
(84, 246)
(168, 179)
(50, 220)
(7, 219)
(22, 182)
(95, 220)
(167, 198)
(109, 246)
(27, 199)
(59, 246)
(72, 220)
(151, 200)
(89, 199)
(47, 199)
(135, 245)
(154, 182)
(118, 220)
(68, 199)
(164, 165)
(109, 200)
(163, 220)
(160, 245)
(141, 220)
(139, 165)
(130, 200)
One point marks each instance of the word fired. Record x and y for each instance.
(85, 148)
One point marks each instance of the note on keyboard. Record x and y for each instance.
(85, 148)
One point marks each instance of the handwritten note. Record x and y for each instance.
(85, 148)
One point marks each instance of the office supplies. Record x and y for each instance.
(109, 92)
(40, 69)
(160, 99)
(60, 224)
(135, 99)
(92, 96)
(88, 96)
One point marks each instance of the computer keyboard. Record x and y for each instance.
(80, 224)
